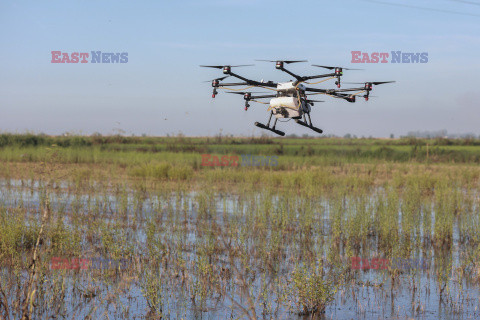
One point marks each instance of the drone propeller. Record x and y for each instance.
(216, 84)
(248, 92)
(375, 83)
(284, 61)
(333, 68)
(228, 69)
(221, 67)
(338, 72)
(217, 79)
(369, 85)
(279, 65)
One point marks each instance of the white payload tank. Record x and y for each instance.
(284, 107)
(288, 87)
(287, 102)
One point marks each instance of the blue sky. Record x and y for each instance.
(160, 90)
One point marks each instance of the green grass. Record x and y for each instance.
(136, 150)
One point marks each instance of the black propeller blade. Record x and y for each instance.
(247, 92)
(284, 61)
(375, 83)
(381, 82)
(308, 100)
(333, 68)
(217, 79)
(221, 67)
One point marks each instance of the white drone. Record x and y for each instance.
(289, 99)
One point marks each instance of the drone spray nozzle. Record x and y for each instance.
(366, 96)
(247, 105)
(214, 93)
(338, 74)
(338, 82)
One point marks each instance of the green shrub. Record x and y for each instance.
(313, 292)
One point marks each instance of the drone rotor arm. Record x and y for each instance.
(264, 96)
(316, 90)
(233, 84)
(296, 76)
(319, 76)
(349, 89)
(333, 68)
(253, 82)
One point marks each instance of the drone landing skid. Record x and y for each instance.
(300, 122)
(261, 125)
(267, 127)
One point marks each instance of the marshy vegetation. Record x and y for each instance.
(298, 240)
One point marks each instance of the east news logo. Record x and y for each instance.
(94, 56)
(394, 56)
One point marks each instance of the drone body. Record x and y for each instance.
(289, 100)
(288, 103)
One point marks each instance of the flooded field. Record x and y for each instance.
(135, 251)
(127, 227)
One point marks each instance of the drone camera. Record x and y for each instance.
(227, 70)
